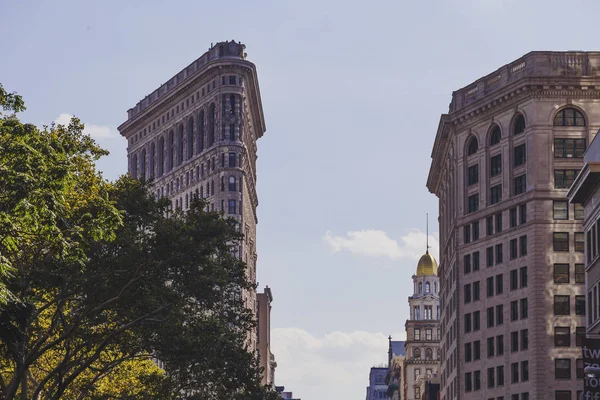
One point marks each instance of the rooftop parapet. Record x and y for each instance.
(220, 50)
(538, 64)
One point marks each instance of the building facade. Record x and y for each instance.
(422, 329)
(263, 336)
(395, 378)
(196, 136)
(511, 246)
(586, 191)
(378, 387)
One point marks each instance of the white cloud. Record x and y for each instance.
(376, 243)
(332, 366)
(95, 131)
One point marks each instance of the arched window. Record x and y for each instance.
(170, 151)
(417, 354)
(429, 354)
(519, 126)
(134, 167)
(152, 155)
(143, 164)
(180, 145)
(211, 125)
(495, 135)
(161, 156)
(190, 138)
(472, 146)
(427, 287)
(420, 287)
(200, 132)
(232, 184)
(569, 117)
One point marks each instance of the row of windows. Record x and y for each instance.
(562, 305)
(419, 287)
(495, 134)
(560, 241)
(428, 334)
(519, 309)
(519, 187)
(428, 354)
(428, 314)
(560, 210)
(519, 158)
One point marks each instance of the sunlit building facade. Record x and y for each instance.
(512, 290)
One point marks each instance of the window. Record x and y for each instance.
(473, 203)
(579, 273)
(499, 345)
(560, 241)
(490, 256)
(579, 368)
(563, 178)
(496, 165)
(561, 273)
(523, 245)
(514, 372)
(500, 375)
(512, 216)
(476, 291)
(467, 233)
(232, 160)
(495, 135)
(417, 354)
(467, 263)
(520, 156)
(490, 317)
(232, 79)
(476, 350)
(489, 223)
(578, 211)
(495, 194)
(468, 323)
(472, 146)
(491, 375)
(520, 184)
(468, 354)
(579, 305)
(579, 335)
(428, 312)
(468, 382)
(524, 371)
(569, 117)
(476, 319)
(562, 336)
(476, 380)
(498, 222)
(519, 125)
(560, 209)
(523, 213)
(467, 293)
(513, 248)
(563, 395)
(579, 241)
(514, 310)
(499, 253)
(428, 334)
(524, 308)
(514, 279)
(524, 339)
(561, 305)
(523, 273)
(232, 184)
(569, 148)
(473, 174)
(476, 261)
(514, 341)
(499, 314)
(490, 286)
(417, 334)
(232, 206)
(562, 368)
(475, 230)
(499, 284)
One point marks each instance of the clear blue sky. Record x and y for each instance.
(352, 93)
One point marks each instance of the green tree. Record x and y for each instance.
(100, 279)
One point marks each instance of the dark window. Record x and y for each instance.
(473, 203)
(520, 155)
(562, 336)
(489, 224)
(476, 320)
(561, 305)
(499, 284)
(467, 293)
(579, 368)
(523, 273)
(569, 148)
(569, 117)
(514, 310)
(499, 314)
(468, 354)
(495, 194)
(490, 286)
(475, 230)
(232, 184)
(562, 368)
(523, 213)
(468, 382)
(519, 126)
(467, 264)
(579, 273)
(579, 335)
(232, 79)
(490, 317)
(514, 279)
(472, 146)
(491, 376)
(524, 371)
(524, 339)
(578, 211)
(495, 135)
(467, 233)
(524, 308)
(561, 273)
(499, 253)
(490, 256)
(498, 222)
(579, 305)
(514, 372)
(468, 323)
(476, 291)
(513, 248)
(512, 214)
(563, 395)
(232, 160)
(520, 184)
(579, 241)
(560, 209)
(476, 350)
(500, 345)
(514, 341)
(476, 380)
(473, 174)
(496, 165)
(523, 245)
(563, 178)
(476, 261)
(490, 347)
(232, 207)
(500, 376)
(560, 241)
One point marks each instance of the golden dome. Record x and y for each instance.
(427, 265)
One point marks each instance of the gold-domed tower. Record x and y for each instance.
(427, 265)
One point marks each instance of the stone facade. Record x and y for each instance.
(196, 136)
(263, 335)
(511, 247)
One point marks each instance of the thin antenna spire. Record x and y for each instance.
(427, 232)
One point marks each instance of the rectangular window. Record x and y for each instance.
(520, 155)
(513, 249)
(514, 310)
(467, 264)
(499, 284)
(490, 286)
(473, 174)
(417, 334)
(476, 380)
(467, 293)
(468, 354)
(499, 314)
(560, 209)
(524, 339)
(495, 194)
(490, 317)
(524, 308)
(498, 222)
(564, 178)
(579, 335)
(523, 245)
(520, 184)
(514, 372)
(476, 261)
(496, 165)
(476, 350)
(579, 368)
(232, 206)
(476, 291)
(468, 324)
(523, 213)
(562, 336)
(467, 233)
(560, 241)
(524, 371)
(569, 148)
(514, 341)
(561, 305)
(499, 253)
(513, 217)
(232, 160)
(561, 273)
(578, 211)
(468, 382)
(562, 368)
(475, 230)
(490, 347)
(232, 79)
(579, 305)
(514, 279)
(490, 256)
(500, 345)
(473, 203)
(428, 334)
(500, 376)
(491, 375)
(579, 273)
(476, 320)
(523, 276)
(563, 395)
(579, 241)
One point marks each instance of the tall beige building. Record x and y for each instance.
(196, 136)
(511, 246)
